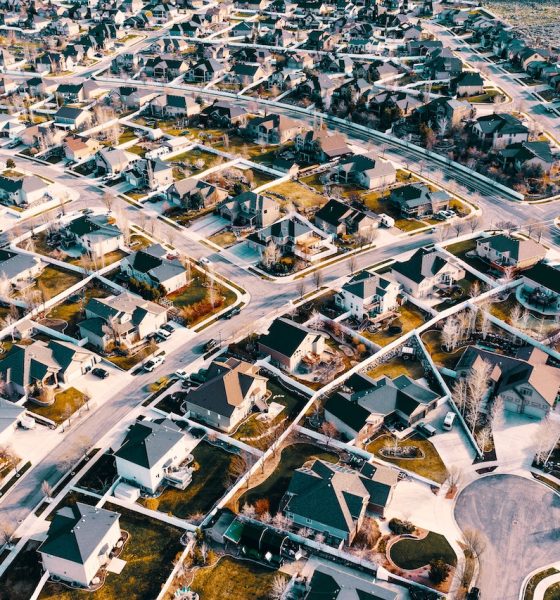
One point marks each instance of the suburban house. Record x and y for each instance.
(113, 161)
(416, 200)
(24, 191)
(541, 288)
(504, 251)
(369, 403)
(290, 344)
(150, 174)
(223, 114)
(152, 266)
(69, 117)
(174, 105)
(10, 417)
(44, 364)
(337, 218)
(273, 129)
(526, 383)
(365, 170)
(321, 145)
(94, 234)
(468, 83)
(80, 541)
(368, 295)
(152, 455)
(78, 148)
(250, 210)
(227, 396)
(206, 71)
(334, 499)
(500, 130)
(528, 155)
(19, 269)
(194, 194)
(425, 271)
(122, 319)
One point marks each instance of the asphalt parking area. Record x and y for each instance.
(521, 520)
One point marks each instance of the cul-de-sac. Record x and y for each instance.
(279, 300)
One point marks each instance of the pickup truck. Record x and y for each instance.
(153, 363)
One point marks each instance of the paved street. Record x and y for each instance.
(521, 520)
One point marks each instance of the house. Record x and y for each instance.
(152, 455)
(337, 218)
(366, 404)
(334, 499)
(504, 251)
(80, 542)
(526, 383)
(19, 269)
(289, 344)
(194, 194)
(469, 83)
(68, 117)
(206, 71)
(24, 191)
(251, 210)
(227, 396)
(11, 127)
(70, 93)
(417, 200)
(223, 114)
(174, 105)
(500, 130)
(10, 417)
(449, 110)
(152, 267)
(113, 161)
(321, 145)
(541, 288)
(365, 170)
(528, 155)
(165, 69)
(273, 129)
(246, 74)
(149, 174)
(42, 364)
(78, 148)
(426, 270)
(94, 234)
(368, 295)
(124, 319)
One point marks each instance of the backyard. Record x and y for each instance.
(428, 465)
(22, 577)
(235, 580)
(302, 197)
(54, 280)
(197, 160)
(292, 457)
(65, 404)
(397, 366)
(442, 358)
(149, 554)
(209, 483)
(100, 476)
(412, 554)
(460, 250)
(409, 317)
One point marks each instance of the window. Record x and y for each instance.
(526, 392)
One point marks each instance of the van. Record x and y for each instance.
(426, 429)
(449, 420)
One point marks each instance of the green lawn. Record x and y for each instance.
(224, 239)
(430, 466)
(208, 485)
(100, 476)
(66, 403)
(299, 195)
(149, 554)
(410, 317)
(54, 280)
(277, 483)
(412, 554)
(234, 580)
(207, 159)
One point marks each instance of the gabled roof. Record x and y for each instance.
(76, 532)
(366, 285)
(13, 263)
(286, 336)
(424, 263)
(518, 249)
(544, 275)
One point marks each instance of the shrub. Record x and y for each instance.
(152, 503)
(439, 570)
(399, 527)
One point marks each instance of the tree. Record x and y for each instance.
(454, 477)
(475, 542)
(8, 456)
(483, 439)
(301, 288)
(279, 587)
(547, 437)
(450, 334)
(474, 223)
(477, 385)
(7, 531)
(10, 163)
(262, 505)
(458, 226)
(318, 278)
(352, 264)
(460, 394)
(497, 413)
(248, 510)
(46, 488)
(108, 200)
(329, 430)
(439, 570)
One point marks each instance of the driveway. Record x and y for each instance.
(521, 520)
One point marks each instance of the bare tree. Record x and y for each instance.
(301, 288)
(329, 430)
(458, 226)
(460, 394)
(454, 477)
(483, 438)
(352, 264)
(108, 200)
(47, 489)
(7, 531)
(547, 437)
(318, 278)
(474, 223)
(477, 385)
(475, 542)
(248, 510)
(450, 334)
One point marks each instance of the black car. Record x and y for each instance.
(101, 373)
(209, 345)
(474, 594)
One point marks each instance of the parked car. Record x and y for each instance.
(99, 372)
(474, 594)
(212, 343)
(426, 429)
(168, 327)
(181, 374)
(163, 333)
(153, 363)
(449, 420)
(204, 261)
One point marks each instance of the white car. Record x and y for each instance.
(182, 374)
(163, 333)
(153, 363)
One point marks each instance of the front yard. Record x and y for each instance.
(429, 465)
(209, 483)
(235, 580)
(22, 577)
(412, 553)
(65, 404)
(149, 554)
(134, 357)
